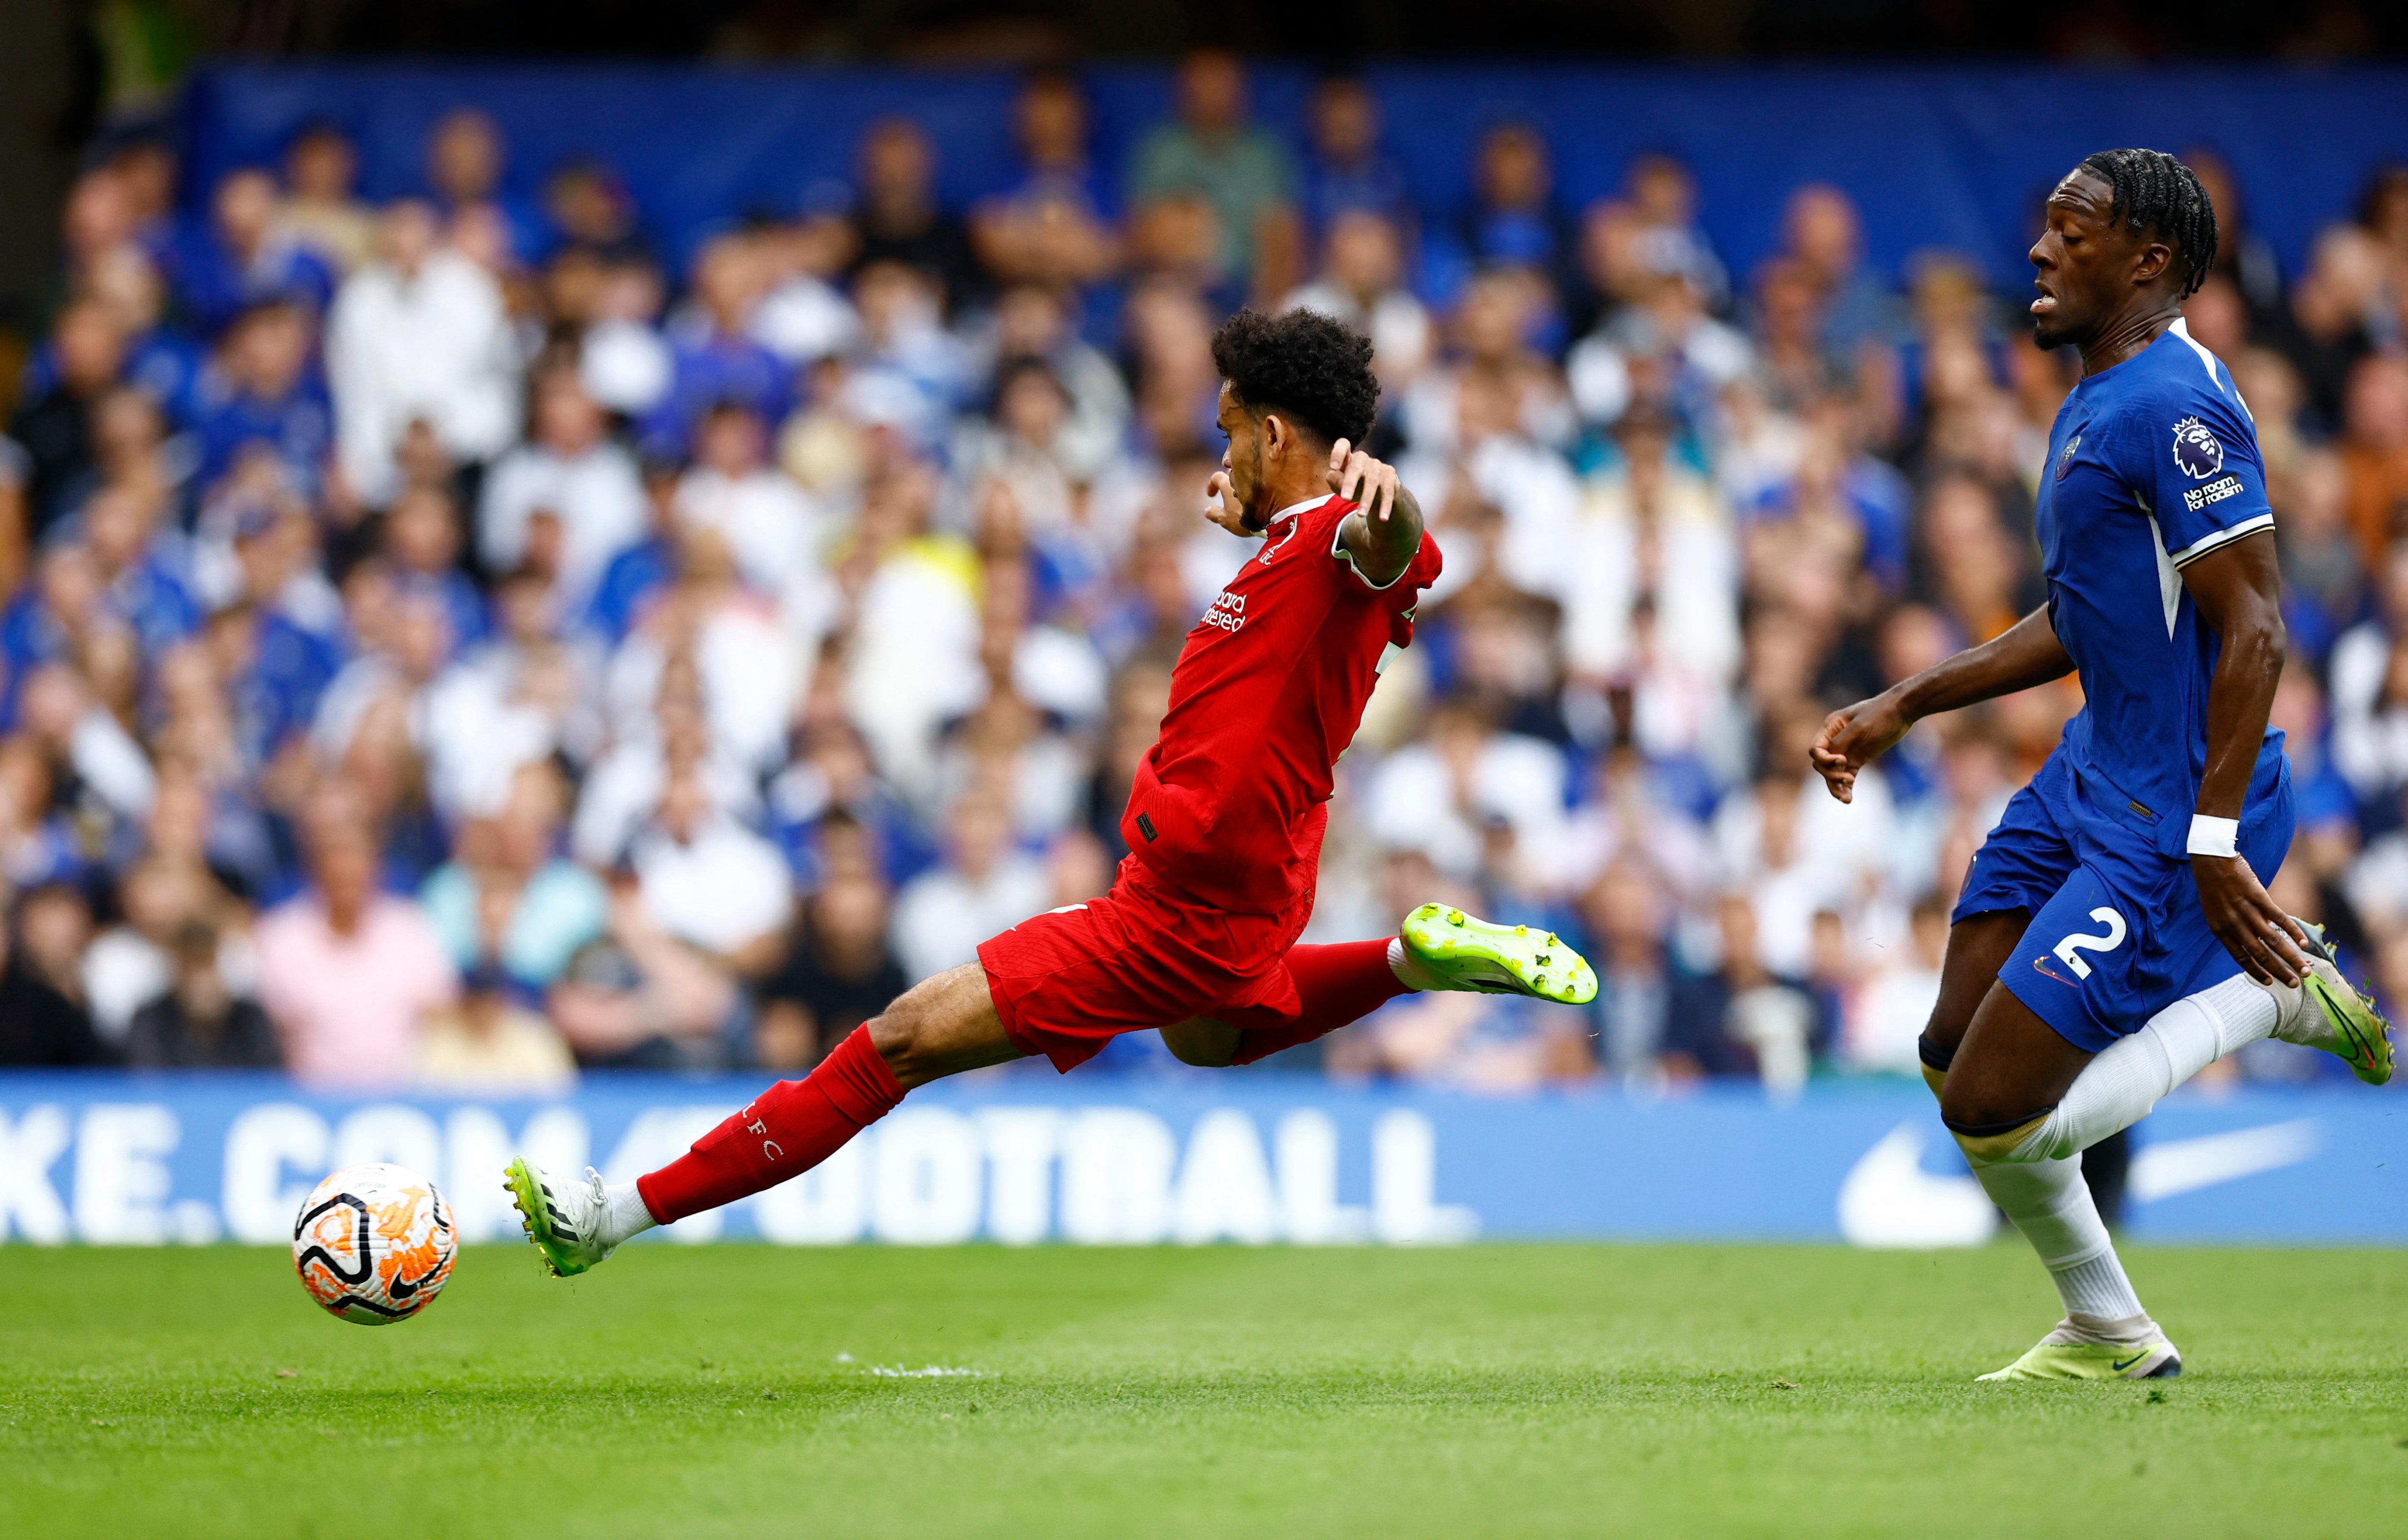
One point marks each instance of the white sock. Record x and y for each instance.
(1411, 973)
(2097, 1291)
(626, 1216)
(2117, 1088)
(2051, 1204)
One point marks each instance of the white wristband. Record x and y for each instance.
(2213, 836)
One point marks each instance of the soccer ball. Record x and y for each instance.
(374, 1244)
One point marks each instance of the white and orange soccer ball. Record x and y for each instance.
(374, 1244)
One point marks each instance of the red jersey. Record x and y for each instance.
(1267, 692)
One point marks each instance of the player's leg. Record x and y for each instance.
(2119, 1086)
(2009, 1054)
(2008, 1074)
(2049, 1203)
(941, 1025)
(1437, 948)
(1978, 946)
(1334, 985)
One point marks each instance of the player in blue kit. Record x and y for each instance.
(2115, 935)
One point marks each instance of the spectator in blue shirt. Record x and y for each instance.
(1347, 168)
(1835, 477)
(645, 568)
(465, 158)
(140, 583)
(1825, 235)
(1514, 220)
(262, 390)
(281, 670)
(1054, 225)
(240, 260)
(714, 357)
(422, 540)
(160, 360)
(44, 622)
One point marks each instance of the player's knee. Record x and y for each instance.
(904, 1034)
(1936, 1058)
(1989, 1141)
(1203, 1042)
(892, 1033)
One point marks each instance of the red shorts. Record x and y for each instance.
(1070, 980)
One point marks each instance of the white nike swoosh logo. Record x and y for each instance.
(1889, 1200)
(2186, 1165)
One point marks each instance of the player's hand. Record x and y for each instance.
(1370, 485)
(1221, 506)
(2251, 925)
(1851, 737)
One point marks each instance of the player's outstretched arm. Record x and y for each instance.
(1386, 528)
(2238, 589)
(2025, 653)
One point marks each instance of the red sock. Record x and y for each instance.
(1337, 985)
(789, 1129)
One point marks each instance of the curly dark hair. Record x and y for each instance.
(1303, 365)
(2153, 192)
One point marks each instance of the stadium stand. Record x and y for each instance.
(518, 572)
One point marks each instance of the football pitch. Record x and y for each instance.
(1492, 1390)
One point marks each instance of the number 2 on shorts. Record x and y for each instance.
(2068, 950)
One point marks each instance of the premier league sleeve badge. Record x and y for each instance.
(2196, 449)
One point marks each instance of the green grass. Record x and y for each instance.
(1643, 1391)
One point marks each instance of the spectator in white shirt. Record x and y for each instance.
(1361, 285)
(1439, 796)
(1885, 1017)
(712, 636)
(1654, 531)
(710, 881)
(420, 333)
(574, 473)
(1031, 322)
(771, 527)
(984, 886)
(57, 713)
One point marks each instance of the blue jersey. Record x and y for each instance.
(2152, 465)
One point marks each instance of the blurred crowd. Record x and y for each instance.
(449, 644)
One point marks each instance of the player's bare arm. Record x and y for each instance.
(2238, 590)
(1386, 528)
(2025, 653)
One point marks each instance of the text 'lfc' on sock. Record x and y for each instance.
(788, 1128)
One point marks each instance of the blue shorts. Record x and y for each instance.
(2116, 933)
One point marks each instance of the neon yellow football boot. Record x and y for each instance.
(2056, 1359)
(2327, 1012)
(1455, 951)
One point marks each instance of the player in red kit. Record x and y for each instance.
(1198, 937)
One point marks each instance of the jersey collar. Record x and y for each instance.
(1294, 508)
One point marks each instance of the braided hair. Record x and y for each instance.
(2154, 193)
